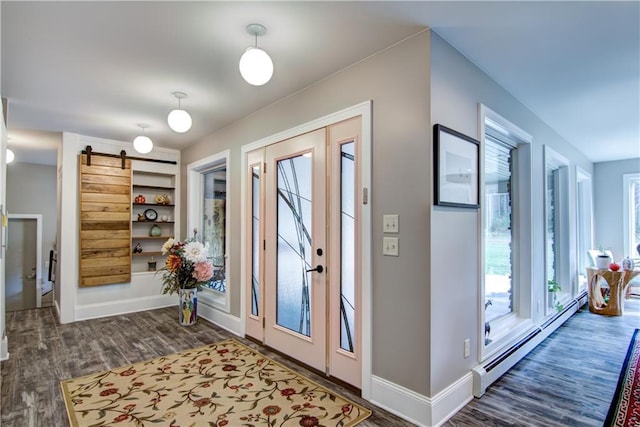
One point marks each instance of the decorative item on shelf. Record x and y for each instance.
(151, 215)
(164, 218)
(614, 266)
(141, 217)
(151, 264)
(140, 199)
(155, 231)
(162, 199)
(185, 271)
(628, 264)
(137, 249)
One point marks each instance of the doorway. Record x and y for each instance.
(304, 205)
(23, 280)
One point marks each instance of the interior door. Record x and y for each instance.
(295, 242)
(20, 290)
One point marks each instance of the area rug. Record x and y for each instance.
(222, 384)
(625, 406)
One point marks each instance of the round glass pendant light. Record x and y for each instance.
(256, 66)
(10, 156)
(143, 143)
(179, 120)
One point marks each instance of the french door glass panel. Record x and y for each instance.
(214, 223)
(348, 255)
(294, 244)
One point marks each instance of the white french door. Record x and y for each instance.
(303, 210)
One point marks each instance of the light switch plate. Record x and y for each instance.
(390, 223)
(390, 246)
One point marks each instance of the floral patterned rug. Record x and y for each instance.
(222, 384)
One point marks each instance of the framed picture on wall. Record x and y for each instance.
(456, 158)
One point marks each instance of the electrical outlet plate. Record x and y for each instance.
(390, 223)
(390, 246)
(467, 348)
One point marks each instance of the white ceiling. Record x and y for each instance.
(100, 68)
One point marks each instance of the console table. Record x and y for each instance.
(617, 281)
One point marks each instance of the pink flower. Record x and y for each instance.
(202, 271)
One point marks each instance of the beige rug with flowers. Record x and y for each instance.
(222, 384)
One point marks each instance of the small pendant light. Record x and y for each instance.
(143, 143)
(256, 66)
(10, 156)
(179, 120)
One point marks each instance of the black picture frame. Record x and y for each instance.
(456, 172)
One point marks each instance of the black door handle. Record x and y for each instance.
(318, 268)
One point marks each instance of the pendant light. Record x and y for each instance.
(179, 120)
(10, 155)
(256, 67)
(143, 143)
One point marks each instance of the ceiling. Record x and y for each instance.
(100, 68)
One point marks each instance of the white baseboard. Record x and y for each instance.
(417, 408)
(114, 308)
(219, 318)
(4, 348)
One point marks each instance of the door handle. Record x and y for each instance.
(318, 268)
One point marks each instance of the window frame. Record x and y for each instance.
(195, 188)
(628, 248)
(584, 225)
(509, 328)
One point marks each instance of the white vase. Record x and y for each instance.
(188, 307)
(603, 261)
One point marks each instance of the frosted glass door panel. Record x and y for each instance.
(348, 254)
(294, 243)
(255, 239)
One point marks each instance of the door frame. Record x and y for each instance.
(364, 110)
(38, 218)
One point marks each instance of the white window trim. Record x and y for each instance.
(626, 214)
(582, 229)
(555, 160)
(195, 184)
(511, 327)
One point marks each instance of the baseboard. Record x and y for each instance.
(114, 308)
(4, 348)
(449, 401)
(219, 318)
(400, 401)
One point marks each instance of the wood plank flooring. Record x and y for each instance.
(567, 381)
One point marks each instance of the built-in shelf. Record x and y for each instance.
(147, 254)
(153, 187)
(153, 222)
(151, 237)
(152, 204)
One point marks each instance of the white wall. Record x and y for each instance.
(75, 303)
(457, 87)
(608, 205)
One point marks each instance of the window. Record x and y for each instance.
(506, 237)
(207, 219)
(556, 230)
(631, 210)
(584, 231)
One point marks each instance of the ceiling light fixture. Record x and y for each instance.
(179, 120)
(256, 66)
(10, 156)
(143, 143)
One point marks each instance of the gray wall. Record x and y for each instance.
(607, 204)
(31, 189)
(397, 80)
(457, 87)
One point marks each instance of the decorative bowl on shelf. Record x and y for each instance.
(162, 199)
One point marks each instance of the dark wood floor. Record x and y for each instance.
(567, 381)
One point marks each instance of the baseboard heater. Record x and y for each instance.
(489, 371)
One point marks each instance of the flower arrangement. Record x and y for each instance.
(186, 266)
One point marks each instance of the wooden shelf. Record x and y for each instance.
(148, 254)
(152, 204)
(151, 237)
(153, 187)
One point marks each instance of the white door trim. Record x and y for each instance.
(363, 109)
(38, 218)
